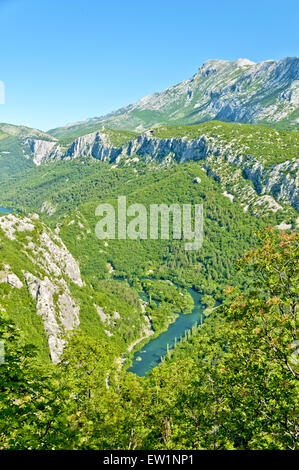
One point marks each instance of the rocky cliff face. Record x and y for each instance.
(94, 145)
(279, 181)
(237, 91)
(52, 272)
(42, 150)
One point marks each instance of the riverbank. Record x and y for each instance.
(148, 331)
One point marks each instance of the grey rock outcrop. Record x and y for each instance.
(10, 278)
(53, 270)
(94, 145)
(11, 224)
(57, 318)
(42, 150)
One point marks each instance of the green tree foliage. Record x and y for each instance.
(32, 396)
(232, 385)
(244, 393)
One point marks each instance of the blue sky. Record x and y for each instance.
(68, 60)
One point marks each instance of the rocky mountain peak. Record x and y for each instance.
(234, 91)
(243, 62)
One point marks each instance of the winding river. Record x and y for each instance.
(155, 349)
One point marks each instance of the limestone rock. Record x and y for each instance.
(11, 223)
(11, 279)
(53, 271)
(14, 281)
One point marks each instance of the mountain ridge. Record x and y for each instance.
(235, 91)
(266, 157)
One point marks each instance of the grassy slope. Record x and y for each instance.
(12, 159)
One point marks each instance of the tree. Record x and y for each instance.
(241, 389)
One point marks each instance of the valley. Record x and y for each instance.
(196, 164)
(122, 343)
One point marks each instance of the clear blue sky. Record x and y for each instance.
(67, 60)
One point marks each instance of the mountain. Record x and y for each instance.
(255, 164)
(39, 281)
(238, 91)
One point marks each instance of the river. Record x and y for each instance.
(156, 348)
(5, 210)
